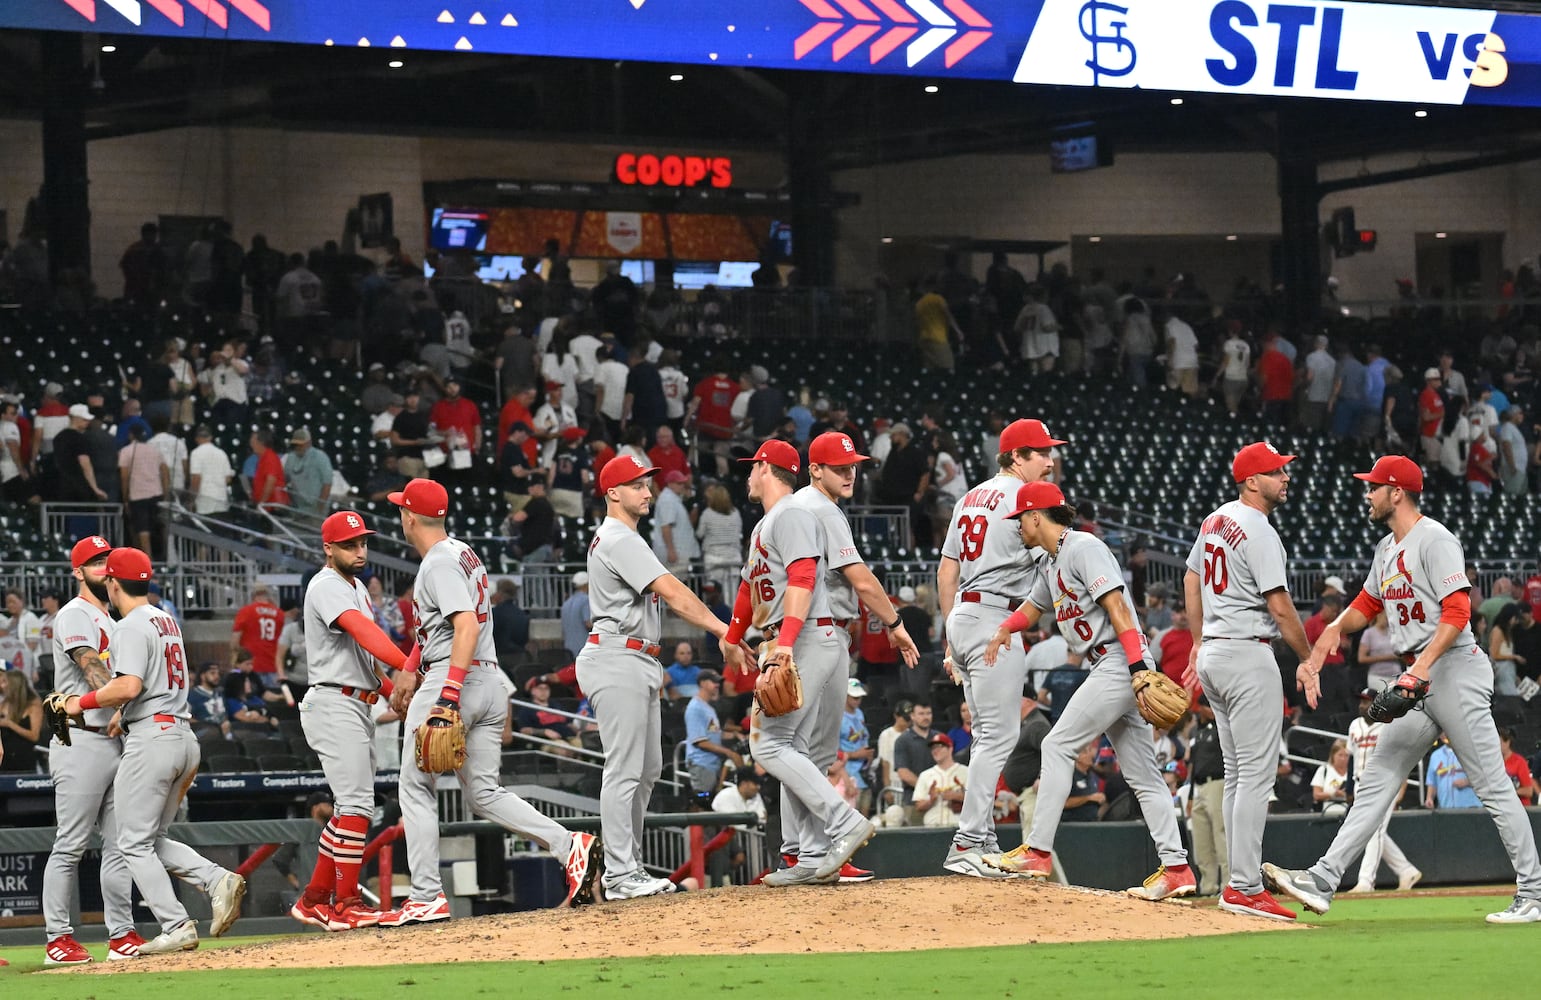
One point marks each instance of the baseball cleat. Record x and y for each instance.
(314, 914)
(1022, 860)
(65, 950)
(1302, 886)
(351, 914)
(226, 901)
(798, 875)
(1168, 882)
(415, 911)
(844, 849)
(1361, 889)
(124, 947)
(585, 863)
(964, 860)
(1522, 911)
(639, 884)
(1260, 905)
(184, 938)
(850, 873)
(1408, 879)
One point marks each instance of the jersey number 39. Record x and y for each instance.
(971, 537)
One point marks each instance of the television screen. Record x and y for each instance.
(454, 229)
(1080, 152)
(698, 274)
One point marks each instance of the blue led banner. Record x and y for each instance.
(1307, 48)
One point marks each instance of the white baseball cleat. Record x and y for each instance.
(184, 938)
(1301, 886)
(415, 911)
(226, 901)
(963, 860)
(1522, 911)
(1409, 879)
(797, 875)
(639, 884)
(845, 848)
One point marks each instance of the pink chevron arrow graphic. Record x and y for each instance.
(954, 26)
(254, 11)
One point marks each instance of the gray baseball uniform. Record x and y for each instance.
(1068, 586)
(1411, 578)
(160, 759)
(451, 580)
(784, 745)
(993, 578)
(824, 745)
(618, 669)
(82, 774)
(339, 726)
(1239, 560)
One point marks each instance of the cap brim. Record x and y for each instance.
(1369, 477)
(845, 460)
(350, 536)
(398, 498)
(1017, 513)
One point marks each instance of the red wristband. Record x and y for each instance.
(742, 614)
(386, 687)
(1134, 649)
(414, 662)
(791, 628)
(88, 701)
(453, 684)
(1016, 622)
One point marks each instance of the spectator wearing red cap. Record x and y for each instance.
(674, 537)
(939, 789)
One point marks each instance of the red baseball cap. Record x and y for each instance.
(834, 448)
(623, 469)
(89, 548)
(573, 434)
(422, 496)
(940, 739)
(1256, 458)
(343, 526)
(778, 453)
(1026, 434)
(674, 476)
(128, 564)
(1394, 470)
(1037, 496)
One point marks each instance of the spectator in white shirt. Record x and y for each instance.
(1182, 356)
(554, 416)
(209, 474)
(173, 449)
(224, 382)
(1236, 363)
(674, 538)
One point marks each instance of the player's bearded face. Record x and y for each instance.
(1379, 499)
(94, 576)
(1035, 466)
(348, 557)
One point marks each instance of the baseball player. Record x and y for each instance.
(785, 594)
(1418, 576)
(342, 643)
(619, 670)
(832, 461)
(1362, 738)
(1236, 574)
(1080, 582)
(160, 757)
(453, 610)
(983, 574)
(83, 771)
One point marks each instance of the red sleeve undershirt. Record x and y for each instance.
(369, 635)
(1368, 605)
(1455, 609)
(741, 614)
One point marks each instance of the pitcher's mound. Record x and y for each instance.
(894, 914)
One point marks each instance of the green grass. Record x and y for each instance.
(1420, 946)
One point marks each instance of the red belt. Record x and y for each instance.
(99, 730)
(364, 695)
(982, 597)
(647, 648)
(1247, 638)
(770, 631)
(1408, 659)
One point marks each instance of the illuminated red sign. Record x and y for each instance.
(648, 170)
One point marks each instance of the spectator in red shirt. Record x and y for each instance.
(1431, 414)
(267, 485)
(1276, 373)
(1516, 768)
(1533, 595)
(1479, 466)
(1176, 645)
(459, 422)
(711, 413)
(667, 455)
(602, 452)
(517, 411)
(876, 657)
(256, 630)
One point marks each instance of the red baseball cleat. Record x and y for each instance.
(314, 914)
(127, 946)
(1260, 905)
(1166, 883)
(65, 950)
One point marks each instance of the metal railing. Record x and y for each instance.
(1295, 733)
(875, 521)
(77, 520)
(193, 586)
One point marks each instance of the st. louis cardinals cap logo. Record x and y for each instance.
(354, 522)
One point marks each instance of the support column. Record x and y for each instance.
(1299, 201)
(812, 189)
(66, 193)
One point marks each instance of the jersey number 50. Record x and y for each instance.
(971, 537)
(1217, 573)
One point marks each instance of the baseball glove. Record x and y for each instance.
(56, 718)
(779, 689)
(440, 742)
(1401, 697)
(1162, 701)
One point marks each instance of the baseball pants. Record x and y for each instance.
(823, 748)
(1104, 703)
(1459, 704)
(994, 696)
(483, 707)
(83, 774)
(159, 762)
(623, 685)
(1207, 824)
(1241, 678)
(1380, 845)
(341, 730)
(783, 746)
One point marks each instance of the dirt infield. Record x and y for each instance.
(896, 915)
